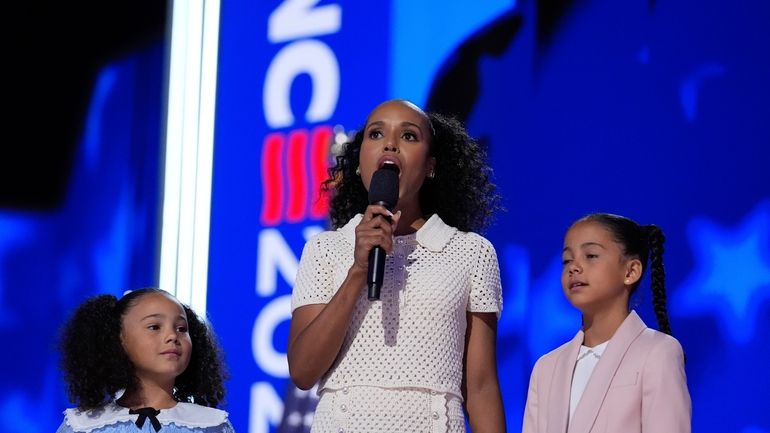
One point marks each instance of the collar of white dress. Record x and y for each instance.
(183, 414)
(433, 235)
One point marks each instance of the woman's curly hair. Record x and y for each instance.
(461, 193)
(96, 366)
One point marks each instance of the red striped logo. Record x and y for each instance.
(293, 167)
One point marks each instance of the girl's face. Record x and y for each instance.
(398, 133)
(155, 338)
(596, 276)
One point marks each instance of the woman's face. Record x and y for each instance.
(398, 133)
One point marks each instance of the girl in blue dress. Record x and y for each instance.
(144, 363)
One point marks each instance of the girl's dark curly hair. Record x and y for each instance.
(461, 193)
(96, 367)
(641, 242)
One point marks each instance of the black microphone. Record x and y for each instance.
(383, 190)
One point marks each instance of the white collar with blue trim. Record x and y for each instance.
(183, 414)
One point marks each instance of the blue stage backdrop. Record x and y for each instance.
(102, 238)
(655, 110)
(652, 109)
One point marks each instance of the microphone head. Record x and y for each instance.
(384, 187)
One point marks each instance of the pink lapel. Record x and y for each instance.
(593, 397)
(558, 395)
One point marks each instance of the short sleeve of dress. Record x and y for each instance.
(315, 274)
(486, 293)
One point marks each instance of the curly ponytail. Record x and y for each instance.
(93, 361)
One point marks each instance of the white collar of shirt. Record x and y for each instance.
(595, 351)
(433, 235)
(183, 414)
(587, 359)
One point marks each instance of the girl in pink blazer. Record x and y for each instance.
(616, 375)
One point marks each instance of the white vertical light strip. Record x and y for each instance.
(173, 149)
(208, 89)
(189, 150)
(192, 46)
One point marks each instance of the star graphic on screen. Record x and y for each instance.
(731, 279)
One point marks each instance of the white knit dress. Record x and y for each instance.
(400, 366)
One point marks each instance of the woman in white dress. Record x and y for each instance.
(424, 353)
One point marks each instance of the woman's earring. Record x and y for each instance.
(358, 171)
(432, 174)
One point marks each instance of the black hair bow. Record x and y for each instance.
(144, 413)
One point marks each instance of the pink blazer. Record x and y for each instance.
(639, 385)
